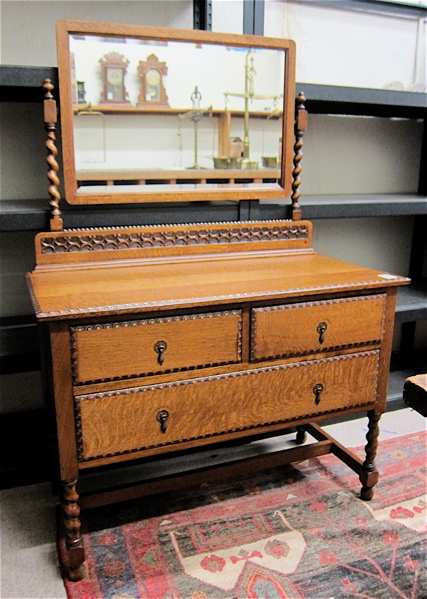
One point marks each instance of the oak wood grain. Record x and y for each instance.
(124, 349)
(297, 328)
(126, 289)
(126, 420)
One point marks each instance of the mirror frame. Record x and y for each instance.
(171, 192)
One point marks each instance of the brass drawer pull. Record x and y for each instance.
(163, 417)
(321, 329)
(317, 390)
(160, 347)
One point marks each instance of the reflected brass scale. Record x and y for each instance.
(249, 95)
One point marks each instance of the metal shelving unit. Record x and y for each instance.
(24, 84)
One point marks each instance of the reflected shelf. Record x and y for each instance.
(176, 176)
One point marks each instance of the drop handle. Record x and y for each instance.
(317, 390)
(160, 347)
(321, 329)
(163, 417)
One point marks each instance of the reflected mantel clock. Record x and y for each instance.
(114, 67)
(153, 91)
(166, 338)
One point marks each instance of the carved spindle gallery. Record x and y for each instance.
(50, 119)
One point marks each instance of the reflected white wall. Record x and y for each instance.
(344, 47)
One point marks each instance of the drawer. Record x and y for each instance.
(118, 422)
(310, 327)
(135, 348)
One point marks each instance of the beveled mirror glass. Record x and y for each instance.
(152, 114)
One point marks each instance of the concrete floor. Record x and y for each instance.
(29, 565)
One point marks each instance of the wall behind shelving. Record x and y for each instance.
(338, 46)
(346, 155)
(28, 27)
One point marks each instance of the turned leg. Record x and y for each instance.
(369, 476)
(72, 524)
(301, 435)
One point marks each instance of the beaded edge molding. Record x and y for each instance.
(280, 307)
(201, 380)
(106, 310)
(148, 322)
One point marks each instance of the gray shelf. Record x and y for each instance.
(24, 84)
(411, 303)
(33, 215)
(357, 101)
(354, 206)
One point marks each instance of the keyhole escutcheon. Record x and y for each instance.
(163, 417)
(321, 329)
(317, 390)
(160, 347)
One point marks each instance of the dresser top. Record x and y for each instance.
(119, 288)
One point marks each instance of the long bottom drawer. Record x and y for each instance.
(117, 422)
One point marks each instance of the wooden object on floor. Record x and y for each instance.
(167, 338)
(415, 393)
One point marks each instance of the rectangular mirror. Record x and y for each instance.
(152, 114)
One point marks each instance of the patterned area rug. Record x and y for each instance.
(295, 532)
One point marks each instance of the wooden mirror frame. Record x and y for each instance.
(171, 192)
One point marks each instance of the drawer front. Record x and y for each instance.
(310, 327)
(118, 422)
(135, 348)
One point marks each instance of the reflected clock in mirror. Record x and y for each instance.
(114, 67)
(153, 91)
(129, 143)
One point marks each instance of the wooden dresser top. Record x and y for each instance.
(73, 291)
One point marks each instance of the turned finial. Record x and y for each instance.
(50, 120)
(301, 122)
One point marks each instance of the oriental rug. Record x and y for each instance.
(295, 532)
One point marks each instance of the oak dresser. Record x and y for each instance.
(165, 338)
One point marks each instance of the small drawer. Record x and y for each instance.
(310, 327)
(102, 352)
(164, 415)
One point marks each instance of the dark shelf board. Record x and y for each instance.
(411, 303)
(19, 347)
(24, 84)
(359, 101)
(33, 215)
(356, 205)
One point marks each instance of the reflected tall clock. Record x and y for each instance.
(114, 67)
(152, 91)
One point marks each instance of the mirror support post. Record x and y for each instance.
(50, 120)
(301, 122)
